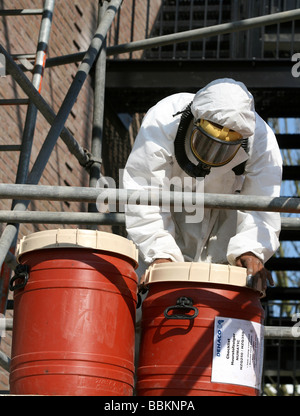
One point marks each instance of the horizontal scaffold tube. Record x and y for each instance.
(144, 197)
(270, 332)
(49, 217)
(201, 33)
(185, 36)
(282, 332)
(98, 218)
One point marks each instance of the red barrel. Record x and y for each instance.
(74, 319)
(201, 332)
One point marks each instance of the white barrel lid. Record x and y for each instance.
(201, 272)
(78, 238)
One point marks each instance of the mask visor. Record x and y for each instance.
(212, 151)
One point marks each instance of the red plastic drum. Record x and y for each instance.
(74, 320)
(201, 332)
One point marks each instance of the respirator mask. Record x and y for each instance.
(214, 145)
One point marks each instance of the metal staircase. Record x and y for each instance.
(268, 42)
(178, 16)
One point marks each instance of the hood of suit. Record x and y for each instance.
(227, 103)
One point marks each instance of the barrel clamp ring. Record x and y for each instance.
(21, 274)
(183, 304)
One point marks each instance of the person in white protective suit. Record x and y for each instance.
(216, 136)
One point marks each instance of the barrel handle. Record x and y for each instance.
(21, 273)
(182, 303)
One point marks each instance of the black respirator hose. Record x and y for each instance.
(196, 171)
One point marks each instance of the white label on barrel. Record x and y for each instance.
(237, 352)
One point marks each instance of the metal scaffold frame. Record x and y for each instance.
(57, 121)
(28, 133)
(27, 188)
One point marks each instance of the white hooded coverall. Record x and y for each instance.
(222, 235)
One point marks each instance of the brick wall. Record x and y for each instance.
(73, 25)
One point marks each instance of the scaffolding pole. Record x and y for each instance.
(46, 217)
(28, 133)
(98, 116)
(37, 79)
(206, 32)
(143, 197)
(270, 332)
(57, 126)
(73, 92)
(186, 36)
(93, 218)
(44, 108)
(282, 332)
